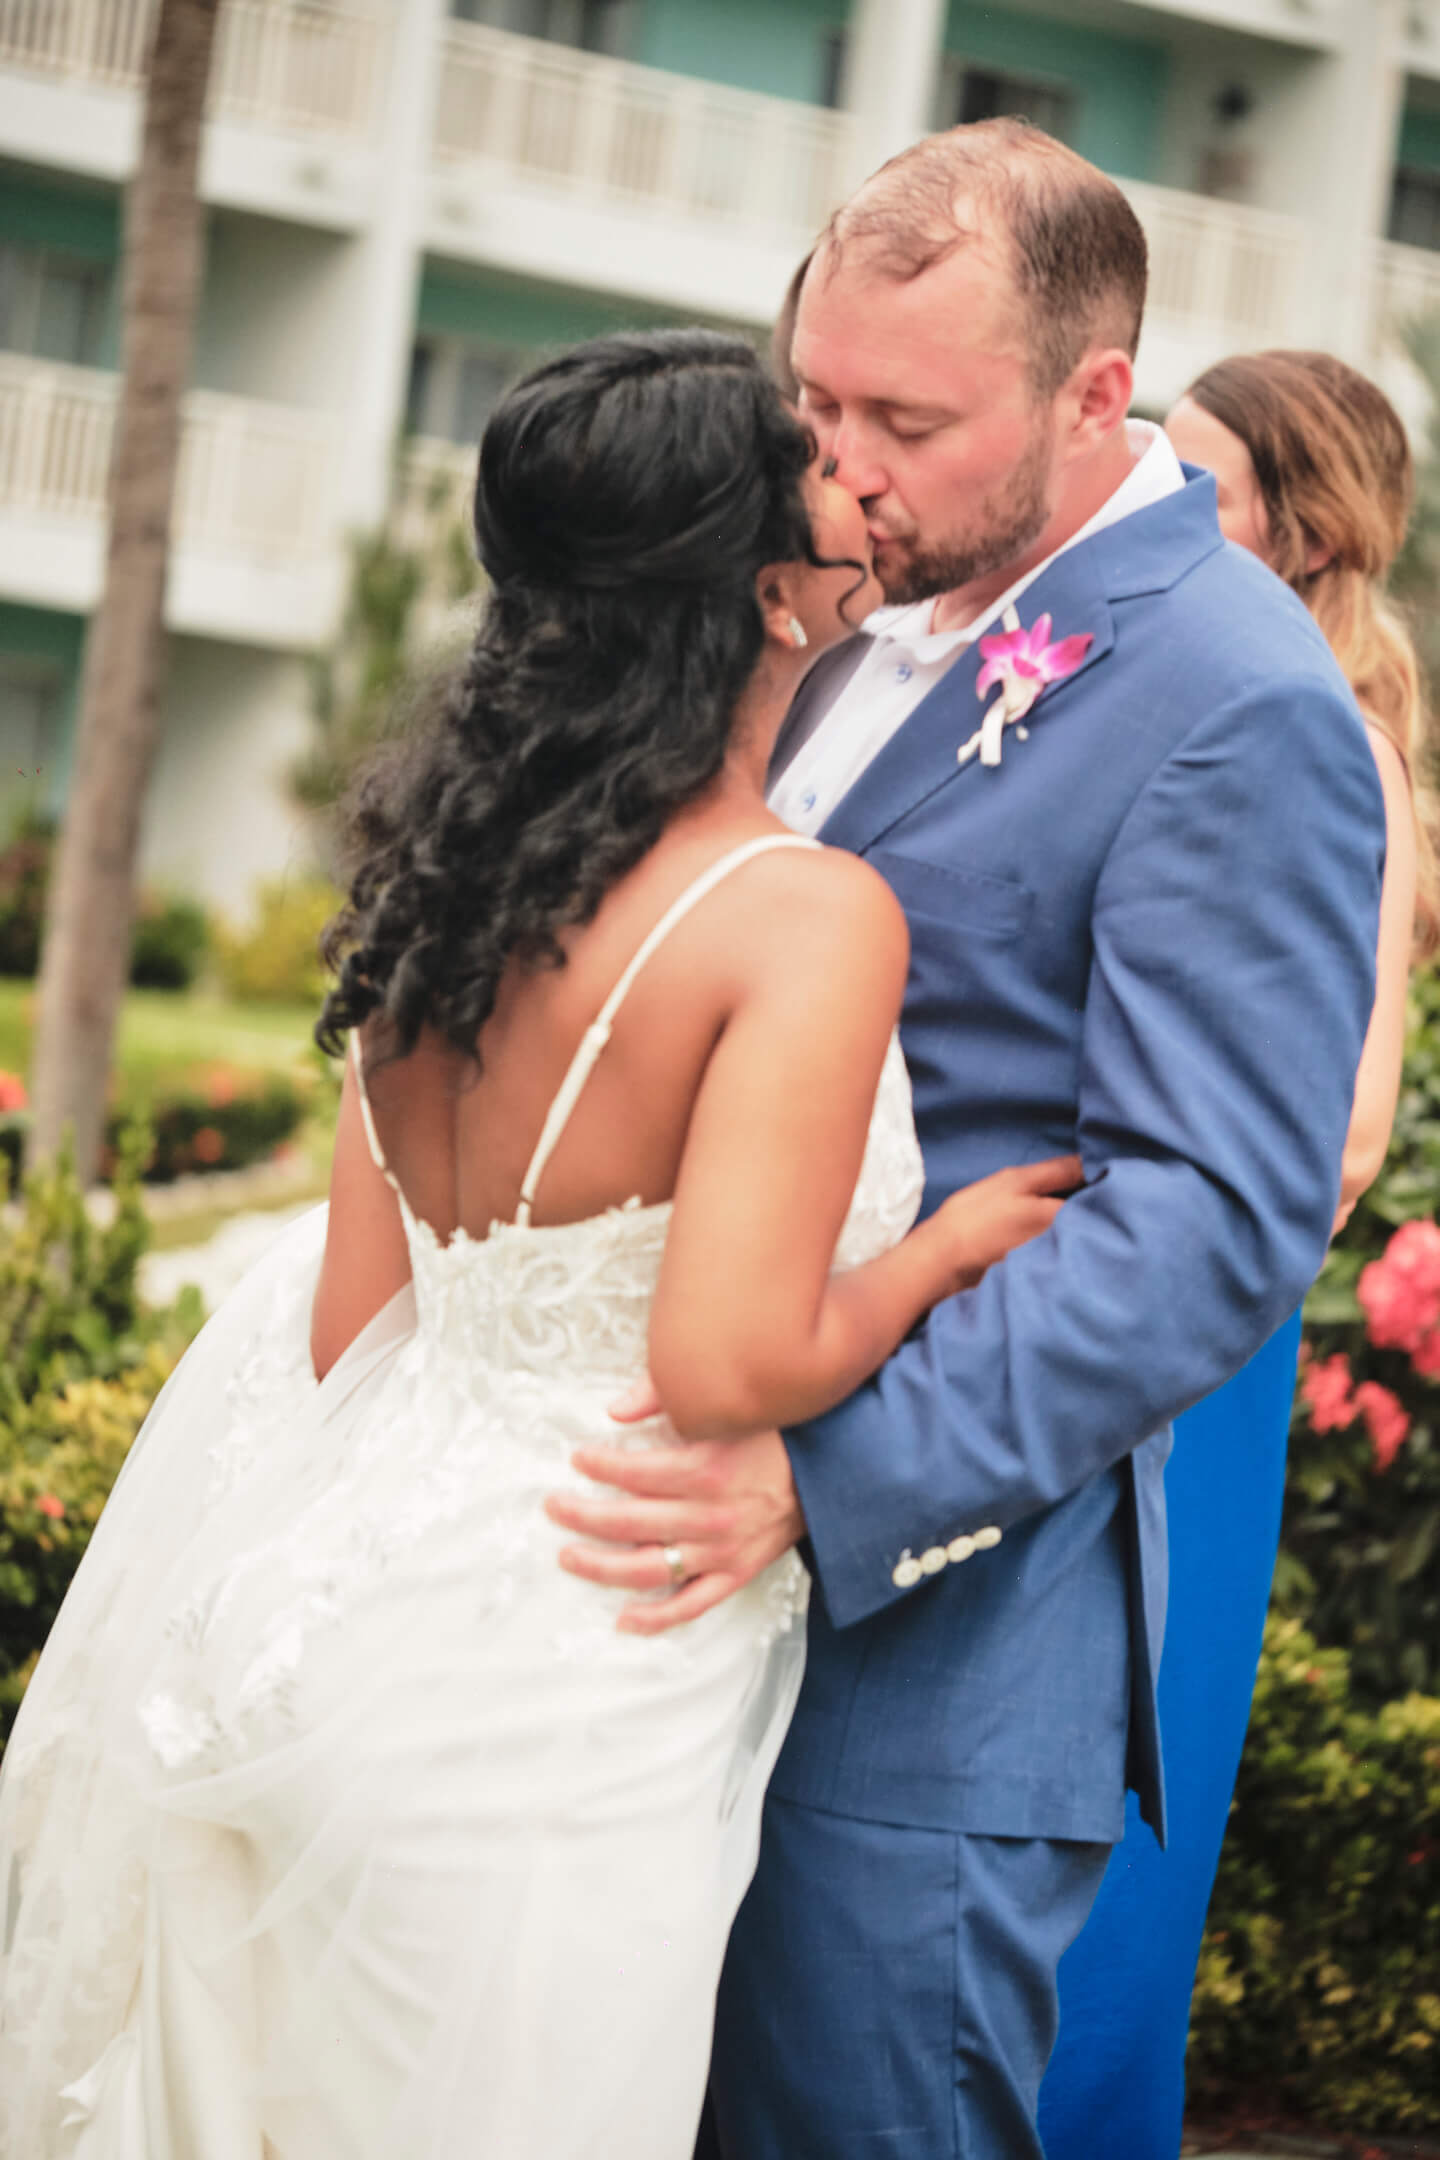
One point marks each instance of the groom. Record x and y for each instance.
(1108, 766)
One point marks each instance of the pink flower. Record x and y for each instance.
(1326, 1390)
(49, 1505)
(1399, 1293)
(1030, 655)
(12, 1092)
(1023, 662)
(1385, 1418)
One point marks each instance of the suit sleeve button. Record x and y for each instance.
(986, 1538)
(960, 1548)
(934, 1559)
(907, 1572)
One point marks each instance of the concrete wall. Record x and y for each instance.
(218, 817)
(280, 314)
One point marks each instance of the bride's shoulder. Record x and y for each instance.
(826, 902)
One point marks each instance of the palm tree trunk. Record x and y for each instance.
(85, 961)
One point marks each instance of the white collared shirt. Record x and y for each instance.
(908, 658)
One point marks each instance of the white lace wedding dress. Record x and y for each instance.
(339, 1821)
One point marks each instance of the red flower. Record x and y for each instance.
(1399, 1293)
(49, 1505)
(208, 1144)
(1386, 1420)
(12, 1092)
(1326, 1389)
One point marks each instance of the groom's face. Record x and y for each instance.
(921, 392)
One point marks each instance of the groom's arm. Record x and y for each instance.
(1234, 937)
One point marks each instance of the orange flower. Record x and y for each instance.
(49, 1505)
(220, 1087)
(12, 1092)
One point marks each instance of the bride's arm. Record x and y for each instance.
(366, 1258)
(749, 1327)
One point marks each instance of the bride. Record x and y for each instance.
(339, 1820)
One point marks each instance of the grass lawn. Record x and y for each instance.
(167, 1036)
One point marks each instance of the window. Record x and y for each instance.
(1415, 208)
(455, 385)
(29, 706)
(973, 93)
(602, 26)
(52, 306)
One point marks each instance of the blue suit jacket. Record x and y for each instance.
(1148, 935)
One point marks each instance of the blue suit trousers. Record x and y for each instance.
(891, 1991)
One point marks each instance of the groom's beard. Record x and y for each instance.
(1000, 534)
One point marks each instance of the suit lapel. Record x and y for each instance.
(923, 754)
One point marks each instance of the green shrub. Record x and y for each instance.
(24, 876)
(1360, 1552)
(172, 934)
(278, 958)
(172, 938)
(1319, 1982)
(81, 1360)
(225, 1124)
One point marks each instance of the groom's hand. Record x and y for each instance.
(726, 1507)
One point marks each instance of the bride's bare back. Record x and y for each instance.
(788, 975)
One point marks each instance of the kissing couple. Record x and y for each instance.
(398, 1764)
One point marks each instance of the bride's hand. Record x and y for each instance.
(986, 1220)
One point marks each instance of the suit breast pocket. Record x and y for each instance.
(972, 901)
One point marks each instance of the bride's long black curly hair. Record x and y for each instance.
(628, 495)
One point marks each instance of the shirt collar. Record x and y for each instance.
(1155, 472)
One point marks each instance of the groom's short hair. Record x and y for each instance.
(1077, 248)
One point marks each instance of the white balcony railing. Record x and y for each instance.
(583, 124)
(299, 66)
(1407, 285)
(1220, 272)
(256, 482)
(434, 491)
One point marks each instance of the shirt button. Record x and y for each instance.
(986, 1538)
(907, 1572)
(808, 799)
(933, 1560)
(960, 1548)
(904, 672)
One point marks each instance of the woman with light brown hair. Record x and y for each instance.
(1313, 475)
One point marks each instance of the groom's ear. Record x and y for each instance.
(1097, 398)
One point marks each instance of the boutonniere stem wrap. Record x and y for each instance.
(1023, 663)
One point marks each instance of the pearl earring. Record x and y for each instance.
(797, 634)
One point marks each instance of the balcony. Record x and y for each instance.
(255, 544)
(1224, 278)
(287, 77)
(596, 171)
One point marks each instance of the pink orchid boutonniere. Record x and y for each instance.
(1023, 662)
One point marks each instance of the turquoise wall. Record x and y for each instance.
(71, 221)
(773, 45)
(46, 634)
(1118, 83)
(79, 221)
(1419, 146)
(511, 311)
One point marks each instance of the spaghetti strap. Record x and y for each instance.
(593, 1041)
